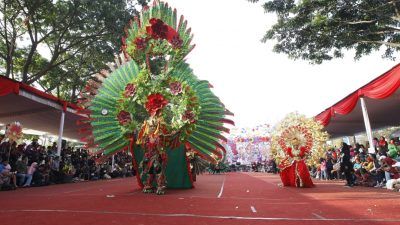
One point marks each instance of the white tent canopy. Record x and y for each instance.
(37, 110)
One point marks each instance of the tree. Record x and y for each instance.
(319, 30)
(60, 44)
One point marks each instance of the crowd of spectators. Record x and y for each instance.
(361, 167)
(268, 166)
(35, 165)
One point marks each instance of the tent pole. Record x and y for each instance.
(60, 133)
(112, 164)
(368, 129)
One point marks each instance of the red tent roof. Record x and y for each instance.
(35, 109)
(382, 96)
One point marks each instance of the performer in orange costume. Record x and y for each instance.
(294, 171)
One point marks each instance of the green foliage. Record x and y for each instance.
(61, 44)
(157, 47)
(193, 113)
(177, 104)
(319, 30)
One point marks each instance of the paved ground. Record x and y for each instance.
(235, 198)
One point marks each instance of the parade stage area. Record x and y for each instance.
(234, 198)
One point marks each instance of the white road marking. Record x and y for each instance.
(319, 216)
(253, 209)
(198, 216)
(222, 188)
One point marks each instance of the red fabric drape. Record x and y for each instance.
(324, 118)
(346, 105)
(8, 86)
(384, 86)
(380, 88)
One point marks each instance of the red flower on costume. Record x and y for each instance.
(189, 116)
(124, 117)
(175, 87)
(157, 29)
(155, 102)
(176, 41)
(130, 90)
(140, 43)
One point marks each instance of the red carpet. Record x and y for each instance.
(235, 198)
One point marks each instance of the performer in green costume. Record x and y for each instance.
(152, 104)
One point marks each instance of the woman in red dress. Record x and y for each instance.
(294, 171)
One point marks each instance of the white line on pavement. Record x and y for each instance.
(319, 216)
(197, 215)
(222, 188)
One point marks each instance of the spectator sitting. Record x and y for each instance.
(68, 171)
(55, 168)
(30, 173)
(6, 176)
(379, 173)
(357, 164)
(22, 169)
(387, 166)
(367, 179)
(369, 165)
(42, 175)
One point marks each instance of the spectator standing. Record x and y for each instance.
(383, 146)
(323, 170)
(55, 174)
(345, 164)
(329, 167)
(392, 149)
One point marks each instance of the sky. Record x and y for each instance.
(255, 83)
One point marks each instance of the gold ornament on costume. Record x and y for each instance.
(14, 132)
(306, 131)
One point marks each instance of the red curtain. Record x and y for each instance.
(380, 88)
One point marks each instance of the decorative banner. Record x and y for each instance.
(306, 130)
(248, 145)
